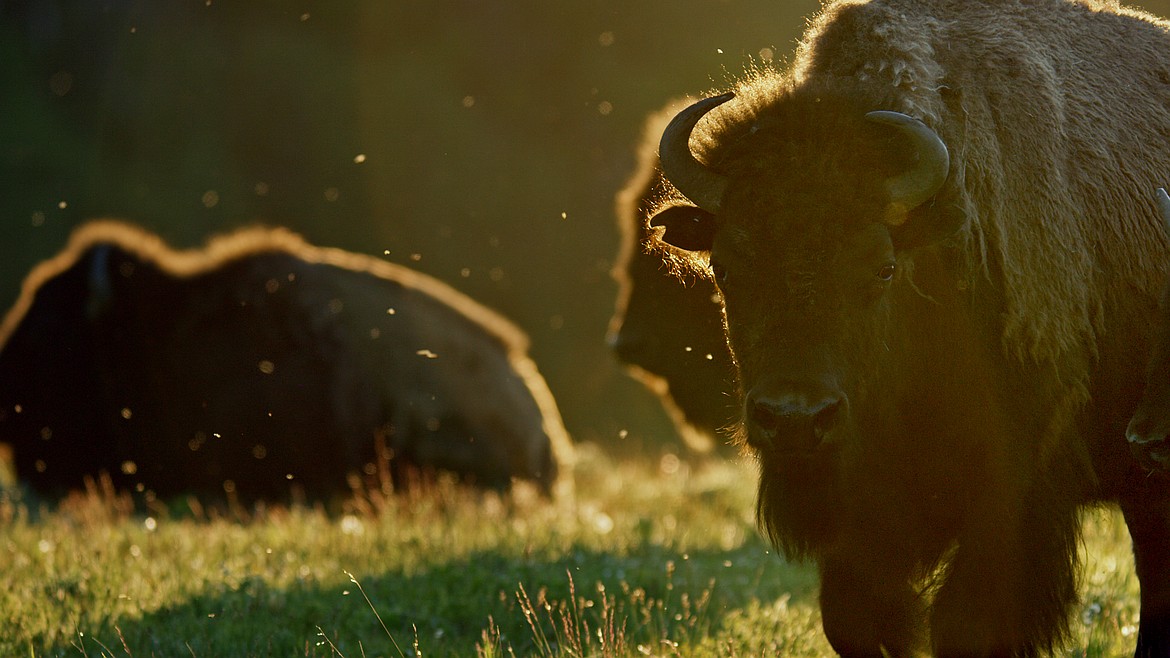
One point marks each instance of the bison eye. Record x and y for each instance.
(886, 272)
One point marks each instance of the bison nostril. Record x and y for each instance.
(790, 423)
(1146, 431)
(1138, 430)
(825, 419)
(765, 414)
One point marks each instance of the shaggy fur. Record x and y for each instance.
(987, 386)
(264, 361)
(1149, 429)
(669, 331)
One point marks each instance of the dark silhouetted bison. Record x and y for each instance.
(940, 263)
(258, 363)
(670, 330)
(1149, 429)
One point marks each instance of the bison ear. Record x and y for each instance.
(687, 227)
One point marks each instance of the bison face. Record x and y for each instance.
(804, 315)
(802, 222)
(672, 330)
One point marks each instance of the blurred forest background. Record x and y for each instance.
(481, 142)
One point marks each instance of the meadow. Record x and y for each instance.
(480, 143)
(643, 556)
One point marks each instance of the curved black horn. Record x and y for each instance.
(1164, 206)
(932, 163)
(701, 185)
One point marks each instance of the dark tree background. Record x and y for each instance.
(480, 141)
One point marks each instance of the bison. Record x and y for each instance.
(940, 262)
(669, 332)
(257, 363)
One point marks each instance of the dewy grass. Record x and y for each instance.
(648, 557)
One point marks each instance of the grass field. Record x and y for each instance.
(654, 556)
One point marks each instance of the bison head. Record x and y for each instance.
(806, 214)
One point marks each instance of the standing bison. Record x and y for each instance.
(669, 331)
(940, 262)
(260, 363)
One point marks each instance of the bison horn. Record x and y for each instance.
(907, 191)
(1164, 206)
(701, 185)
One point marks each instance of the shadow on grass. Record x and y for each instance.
(644, 596)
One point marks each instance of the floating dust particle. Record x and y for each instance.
(61, 82)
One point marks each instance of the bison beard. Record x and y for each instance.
(940, 259)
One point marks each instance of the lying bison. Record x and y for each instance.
(940, 263)
(258, 363)
(1149, 429)
(668, 330)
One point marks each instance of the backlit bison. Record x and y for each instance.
(670, 331)
(940, 262)
(259, 363)
(1149, 429)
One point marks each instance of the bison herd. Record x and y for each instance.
(919, 276)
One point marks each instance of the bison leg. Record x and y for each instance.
(1009, 587)
(1147, 513)
(870, 609)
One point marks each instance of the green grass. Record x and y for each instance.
(649, 557)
